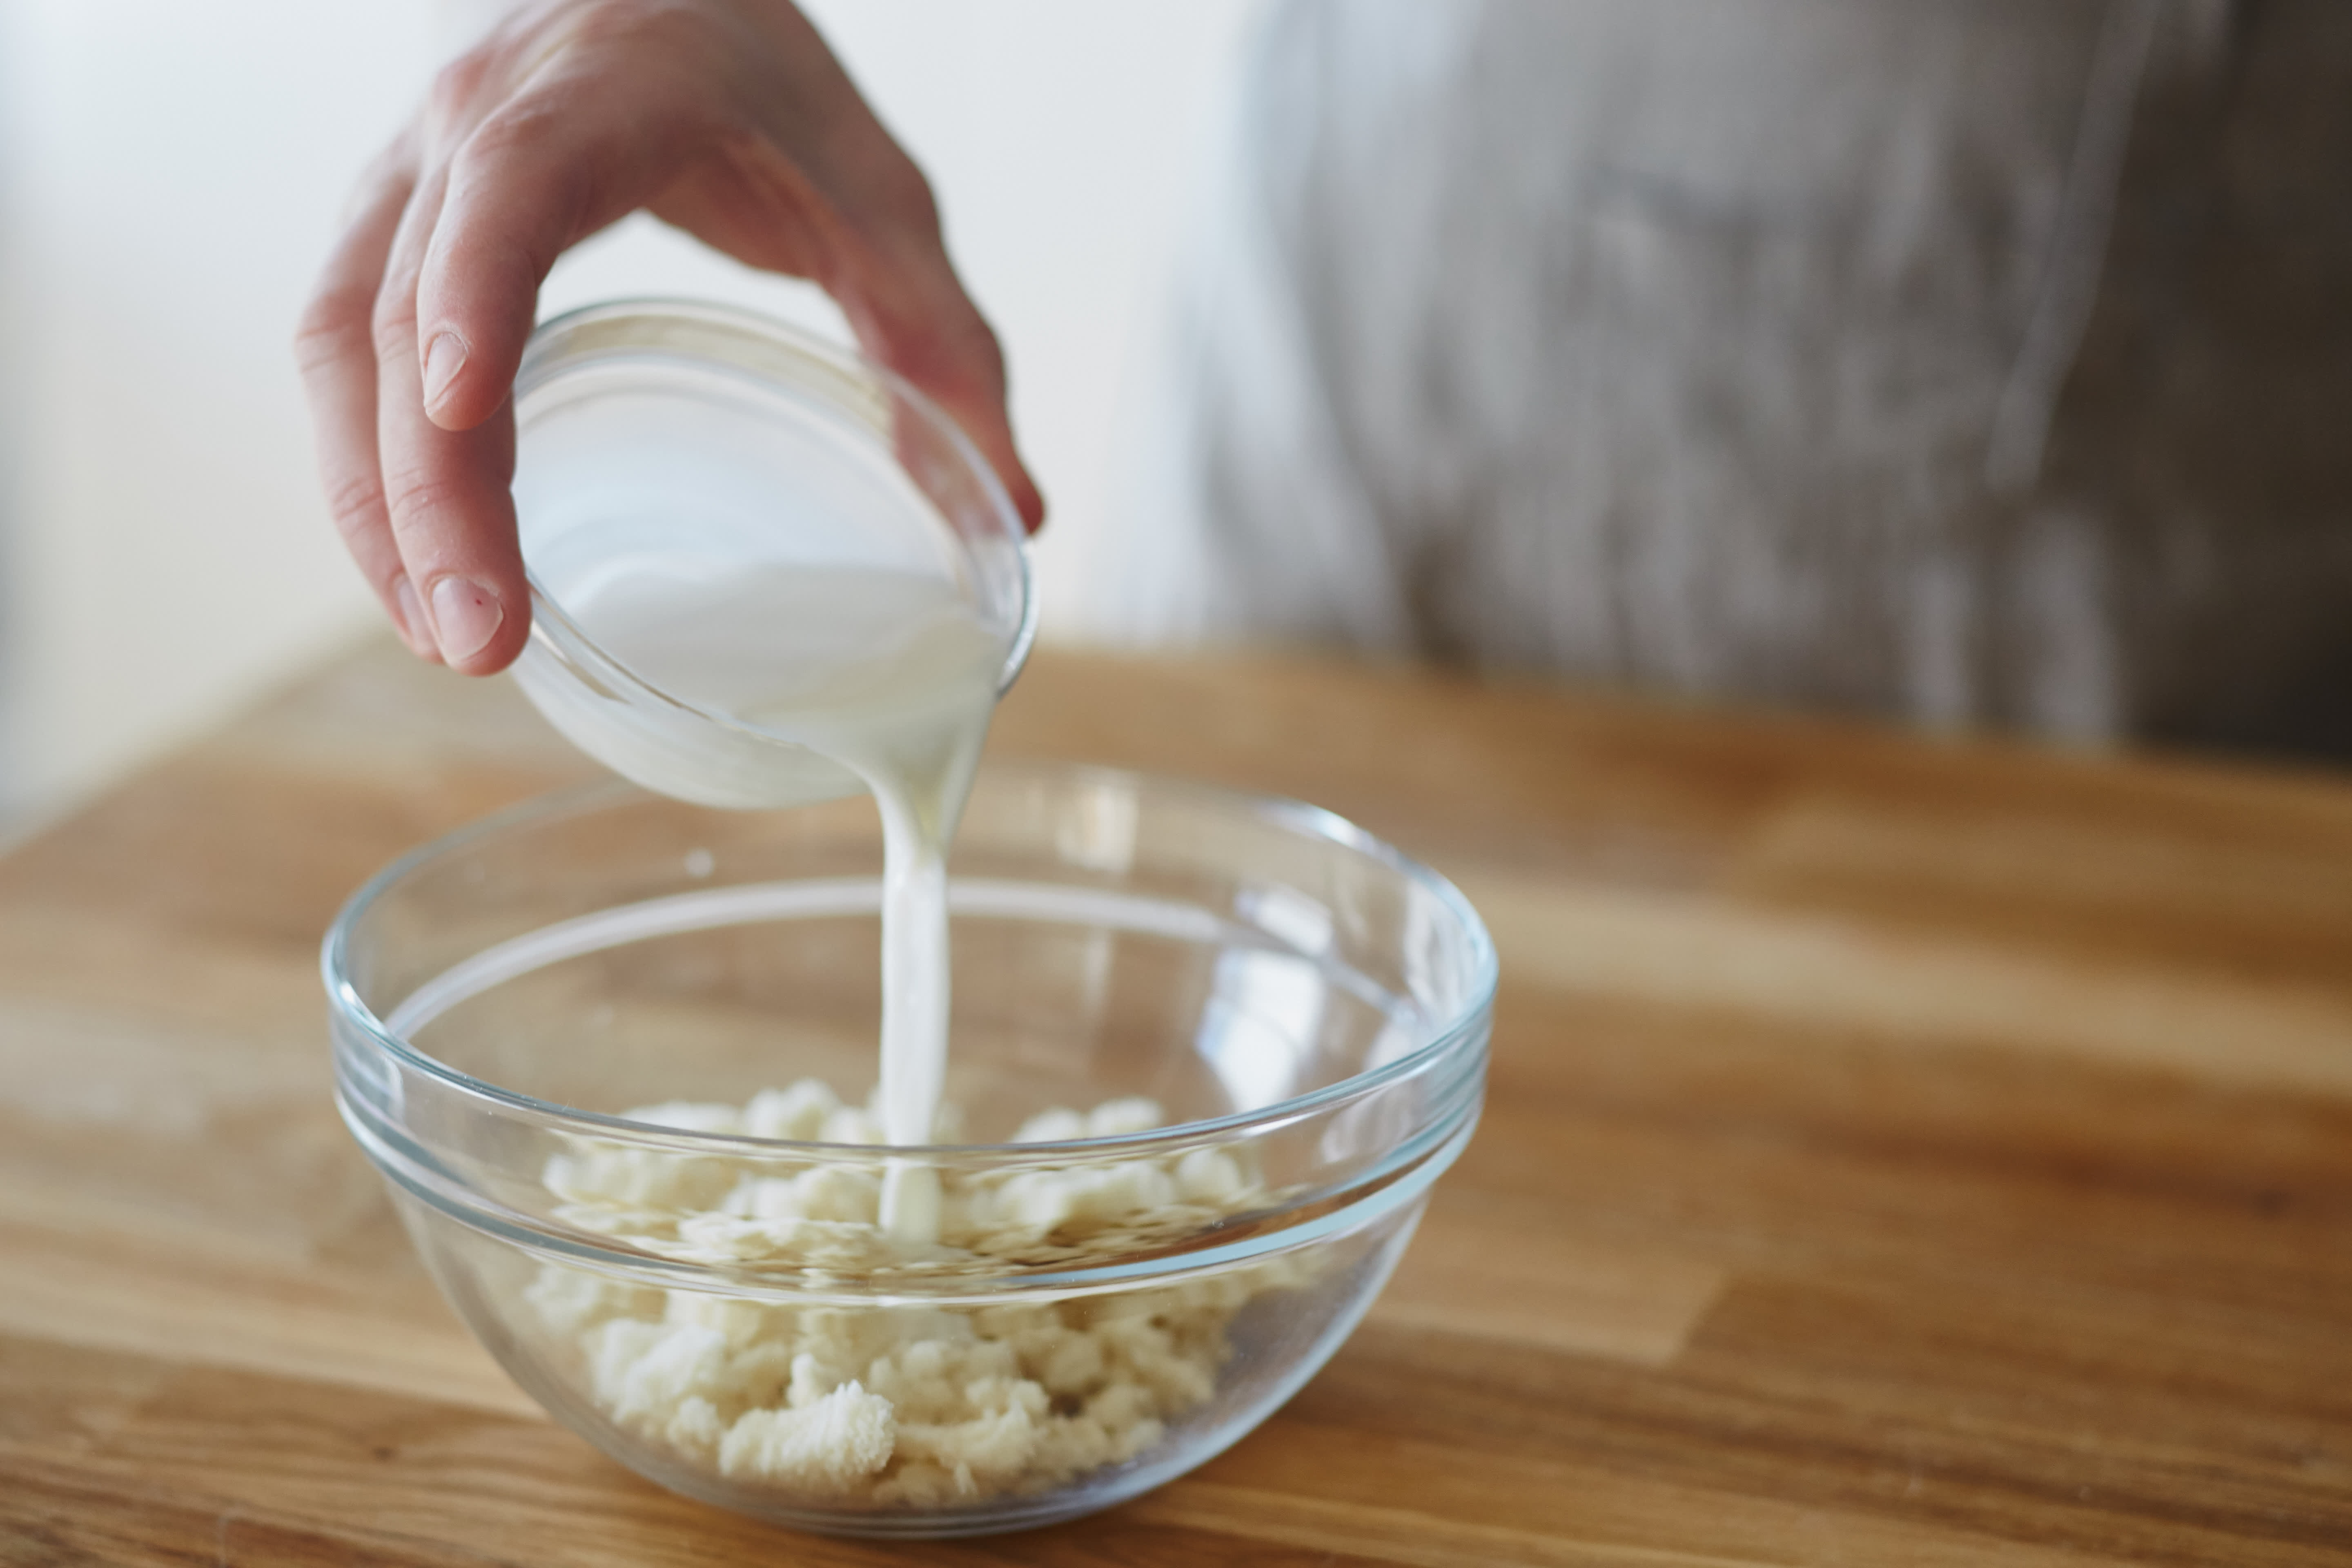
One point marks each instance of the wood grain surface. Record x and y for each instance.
(1897, 1154)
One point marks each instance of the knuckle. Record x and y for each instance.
(356, 505)
(412, 495)
(505, 181)
(954, 358)
(454, 88)
(890, 198)
(640, 23)
(331, 325)
(393, 320)
(658, 56)
(515, 128)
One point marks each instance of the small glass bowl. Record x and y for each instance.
(1135, 1288)
(715, 440)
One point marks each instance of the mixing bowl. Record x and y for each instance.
(610, 1053)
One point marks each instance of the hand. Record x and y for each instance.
(728, 119)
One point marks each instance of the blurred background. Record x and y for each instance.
(170, 174)
(1973, 364)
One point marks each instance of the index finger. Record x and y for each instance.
(447, 492)
(334, 351)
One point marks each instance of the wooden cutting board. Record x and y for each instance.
(1898, 1153)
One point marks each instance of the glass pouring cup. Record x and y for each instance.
(675, 431)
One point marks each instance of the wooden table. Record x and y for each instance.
(1897, 1154)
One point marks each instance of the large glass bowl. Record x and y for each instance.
(1209, 1054)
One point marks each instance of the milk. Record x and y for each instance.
(892, 675)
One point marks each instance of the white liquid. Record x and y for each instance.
(891, 675)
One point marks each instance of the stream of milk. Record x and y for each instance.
(892, 675)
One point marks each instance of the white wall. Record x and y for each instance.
(171, 172)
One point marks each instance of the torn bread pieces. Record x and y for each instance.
(899, 1405)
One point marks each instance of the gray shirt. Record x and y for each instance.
(1978, 361)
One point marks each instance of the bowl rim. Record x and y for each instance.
(1466, 1022)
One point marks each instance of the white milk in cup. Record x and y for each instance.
(766, 574)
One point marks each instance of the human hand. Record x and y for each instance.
(728, 119)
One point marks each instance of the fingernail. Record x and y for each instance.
(408, 613)
(444, 358)
(466, 617)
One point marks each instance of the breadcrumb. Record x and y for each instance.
(897, 1405)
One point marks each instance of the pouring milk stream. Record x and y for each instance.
(888, 673)
(769, 573)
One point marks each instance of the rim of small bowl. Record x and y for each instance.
(536, 370)
(1297, 816)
